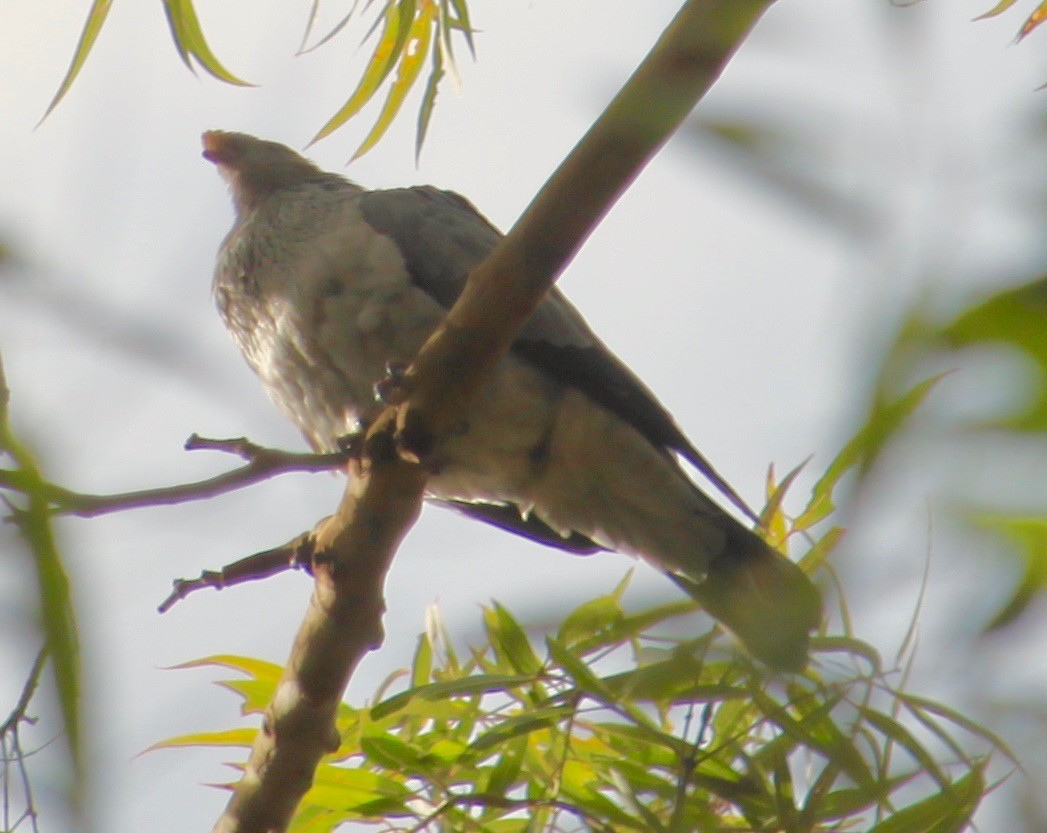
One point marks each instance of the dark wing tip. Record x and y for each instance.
(507, 516)
(764, 599)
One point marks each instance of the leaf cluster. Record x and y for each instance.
(408, 33)
(1037, 16)
(614, 724)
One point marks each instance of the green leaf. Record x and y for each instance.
(391, 752)
(229, 737)
(522, 724)
(509, 641)
(943, 812)
(462, 23)
(1016, 318)
(56, 602)
(772, 518)
(478, 684)
(631, 625)
(816, 730)
(1028, 535)
(814, 559)
(576, 668)
(1038, 16)
(93, 25)
(999, 8)
(383, 59)
(422, 667)
(884, 421)
(918, 704)
(189, 41)
(595, 616)
(425, 110)
(256, 694)
(413, 51)
(504, 773)
(257, 669)
(848, 645)
(904, 738)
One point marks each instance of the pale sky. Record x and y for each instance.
(756, 323)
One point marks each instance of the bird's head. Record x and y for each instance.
(255, 168)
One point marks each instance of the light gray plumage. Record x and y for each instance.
(323, 284)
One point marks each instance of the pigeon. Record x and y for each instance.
(325, 285)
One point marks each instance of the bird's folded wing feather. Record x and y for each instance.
(442, 238)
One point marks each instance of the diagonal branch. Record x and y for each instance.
(384, 491)
(505, 289)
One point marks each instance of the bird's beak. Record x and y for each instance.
(216, 147)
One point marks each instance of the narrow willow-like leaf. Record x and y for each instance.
(1028, 534)
(256, 694)
(809, 730)
(462, 23)
(478, 684)
(189, 40)
(425, 110)
(383, 59)
(885, 420)
(940, 813)
(999, 8)
(522, 724)
(848, 645)
(392, 752)
(915, 702)
(338, 27)
(422, 667)
(174, 24)
(414, 51)
(632, 625)
(510, 642)
(576, 668)
(95, 18)
(772, 518)
(229, 737)
(904, 738)
(1015, 318)
(56, 602)
(1039, 14)
(594, 616)
(352, 788)
(505, 772)
(814, 559)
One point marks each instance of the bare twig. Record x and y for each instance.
(295, 554)
(32, 682)
(11, 752)
(262, 464)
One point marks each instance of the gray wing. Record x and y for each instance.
(442, 238)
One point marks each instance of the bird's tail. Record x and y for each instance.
(759, 595)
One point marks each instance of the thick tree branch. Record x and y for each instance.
(352, 552)
(504, 290)
(384, 492)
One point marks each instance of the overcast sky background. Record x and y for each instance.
(758, 323)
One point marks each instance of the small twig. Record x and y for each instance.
(11, 747)
(294, 555)
(262, 464)
(28, 690)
